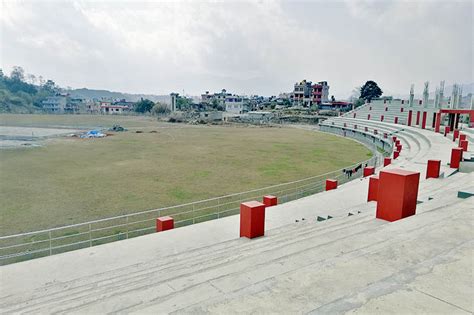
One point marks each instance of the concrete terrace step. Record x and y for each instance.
(89, 289)
(82, 292)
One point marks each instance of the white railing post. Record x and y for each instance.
(50, 243)
(90, 235)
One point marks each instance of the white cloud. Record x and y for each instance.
(246, 47)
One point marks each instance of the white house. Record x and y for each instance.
(234, 104)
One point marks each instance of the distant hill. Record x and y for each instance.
(99, 94)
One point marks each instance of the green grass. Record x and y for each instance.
(72, 180)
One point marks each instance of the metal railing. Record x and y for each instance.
(25, 246)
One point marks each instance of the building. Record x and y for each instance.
(55, 104)
(206, 98)
(320, 92)
(302, 94)
(174, 99)
(115, 108)
(234, 104)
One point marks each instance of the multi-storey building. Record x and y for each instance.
(234, 104)
(320, 92)
(55, 104)
(307, 94)
(302, 94)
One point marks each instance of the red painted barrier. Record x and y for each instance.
(395, 120)
(463, 145)
(386, 108)
(447, 129)
(164, 223)
(368, 117)
(417, 118)
(369, 170)
(455, 134)
(461, 138)
(409, 117)
(387, 161)
(456, 157)
(331, 184)
(252, 219)
(397, 194)
(381, 118)
(394, 138)
(423, 120)
(401, 110)
(396, 154)
(432, 168)
(437, 122)
(270, 200)
(373, 188)
(399, 147)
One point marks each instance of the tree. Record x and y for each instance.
(50, 86)
(144, 106)
(160, 109)
(370, 90)
(17, 74)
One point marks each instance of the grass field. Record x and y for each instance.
(71, 180)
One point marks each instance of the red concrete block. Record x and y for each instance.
(373, 188)
(368, 117)
(399, 147)
(455, 134)
(252, 219)
(386, 108)
(270, 200)
(369, 170)
(381, 118)
(331, 184)
(164, 223)
(387, 161)
(463, 145)
(461, 138)
(432, 168)
(394, 138)
(447, 129)
(396, 154)
(395, 120)
(417, 118)
(456, 157)
(409, 117)
(401, 110)
(423, 120)
(397, 194)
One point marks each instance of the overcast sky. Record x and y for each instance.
(259, 47)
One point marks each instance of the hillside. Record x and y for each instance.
(99, 94)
